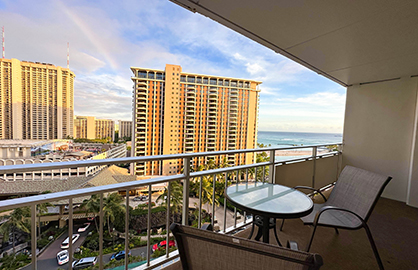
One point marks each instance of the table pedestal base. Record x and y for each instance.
(264, 229)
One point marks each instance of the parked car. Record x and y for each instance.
(84, 227)
(62, 257)
(66, 242)
(163, 244)
(119, 255)
(84, 262)
(141, 198)
(67, 207)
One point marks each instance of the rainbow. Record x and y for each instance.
(92, 37)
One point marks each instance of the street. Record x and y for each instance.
(48, 260)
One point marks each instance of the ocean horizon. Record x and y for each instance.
(286, 139)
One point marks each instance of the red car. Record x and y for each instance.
(163, 244)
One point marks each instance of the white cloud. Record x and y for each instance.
(317, 112)
(107, 38)
(255, 68)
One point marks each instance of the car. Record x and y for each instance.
(90, 218)
(84, 227)
(66, 244)
(163, 244)
(141, 198)
(67, 207)
(84, 262)
(119, 255)
(62, 257)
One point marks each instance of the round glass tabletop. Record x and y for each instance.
(270, 200)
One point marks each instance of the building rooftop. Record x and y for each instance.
(30, 187)
(27, 143)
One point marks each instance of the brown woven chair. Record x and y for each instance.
(206, 250)
(350, 204)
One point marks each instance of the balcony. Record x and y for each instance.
(348, 250)
(227, 225)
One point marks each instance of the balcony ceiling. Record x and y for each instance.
(348, 41)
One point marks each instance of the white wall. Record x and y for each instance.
(379, 132)
(300, 173)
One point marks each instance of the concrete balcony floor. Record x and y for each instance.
(394, 227)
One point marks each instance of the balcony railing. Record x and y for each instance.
(230, 174)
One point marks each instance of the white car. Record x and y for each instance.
(66, 242)
(62, 257)
(84, 227)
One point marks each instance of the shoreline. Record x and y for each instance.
(281, 153)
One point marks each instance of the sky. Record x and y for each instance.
(108, 37)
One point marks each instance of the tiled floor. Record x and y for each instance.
(394, 226)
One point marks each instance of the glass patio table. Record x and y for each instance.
(269, 201)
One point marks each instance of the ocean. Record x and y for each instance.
(286, 139)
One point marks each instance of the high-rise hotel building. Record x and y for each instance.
(36, 100)
(177, 112)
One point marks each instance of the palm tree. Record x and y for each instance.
(112, 205)
(176, 196)
(207, 192)
(42, 208)
(92, 205)
(16, 220)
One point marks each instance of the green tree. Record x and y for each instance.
(176, 196)
(207, 192)
(15, 221)
(92, 205)
(260, 157)
(112, 204)
(41, 209)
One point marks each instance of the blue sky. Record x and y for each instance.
(108, 37)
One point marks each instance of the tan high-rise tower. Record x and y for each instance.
(36, 100)
(177, 112)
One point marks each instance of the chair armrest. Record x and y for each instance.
(330, 208)
(207, 227)
(313, 189)
(292, 245)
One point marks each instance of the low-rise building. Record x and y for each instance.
(88, 127)
(125, 129)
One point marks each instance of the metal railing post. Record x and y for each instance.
(186, 184)
(314, 154)
(168, 221)
(70, 233)
(213, 200)
(101, 232)
(339, 160)
(33, 236)
(271, 166)
(149, 225)
(225, 200)
(127, 231)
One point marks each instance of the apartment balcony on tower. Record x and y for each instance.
(179, 112)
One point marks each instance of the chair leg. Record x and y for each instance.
(275, 235)
(252, 231)
(336, 231)
(281, 226)
(310, 240)
(259, 234)
(376, 253)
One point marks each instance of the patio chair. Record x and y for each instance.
(350, 204)
(206, 250)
